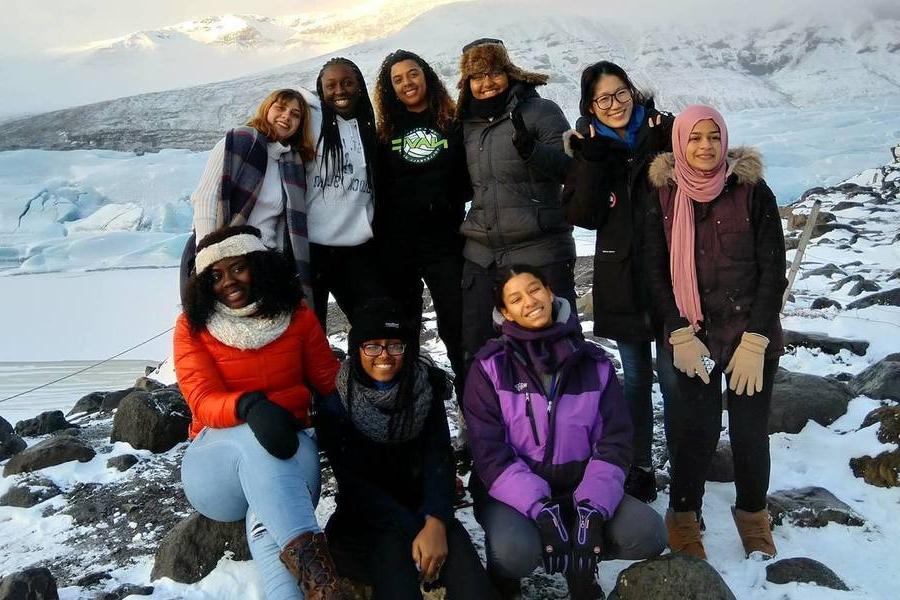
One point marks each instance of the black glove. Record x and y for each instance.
(272, 425)
(522, 139)
(587, 540)
(554, 538)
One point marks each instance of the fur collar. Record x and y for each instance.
(744, 162)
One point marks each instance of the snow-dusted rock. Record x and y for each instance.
(112, 400)
(828, 344)
(154, 421)
(810, 507)
(882, 470)
(193, 547)
(671, 576)
(87, 404)
(44, 423)
(804, 570)
(881, 380)
(721, 468)
(147, 384)
(888, 418)
(828, 271)
(823, 302)
(52, 451)
(30, 584)
(127, 590)
(29, 493)
(800, 397)
(123, 462)
(885, 298)
(10, 442)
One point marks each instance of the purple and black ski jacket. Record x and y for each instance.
(529, 445)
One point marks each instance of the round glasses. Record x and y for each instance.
(622, 95)
(373, 350)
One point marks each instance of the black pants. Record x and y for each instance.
(478, 300)
(695, 420)
(442, 273)
(383, 559)
(349, 273)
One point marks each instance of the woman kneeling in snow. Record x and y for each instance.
(248, 353)
(551, 441)
(386, 437)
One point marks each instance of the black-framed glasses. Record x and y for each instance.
(373, 350)
(494, 75)
(623, 95)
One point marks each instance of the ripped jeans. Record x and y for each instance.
(228, 476)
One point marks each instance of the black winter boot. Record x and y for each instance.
(584, 588)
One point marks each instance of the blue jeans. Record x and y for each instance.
(228, 476)
(637, 368)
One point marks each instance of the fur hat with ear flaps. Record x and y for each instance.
(491, 56)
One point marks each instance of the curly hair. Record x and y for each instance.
(330, 136)
(272, 282)
(302, 140)
(389, 106)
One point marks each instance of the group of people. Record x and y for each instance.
(332, 195)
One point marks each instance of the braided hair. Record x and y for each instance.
(330, 137)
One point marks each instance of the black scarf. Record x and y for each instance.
(489, 108)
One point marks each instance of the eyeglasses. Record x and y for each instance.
(623, 95)
(494, 75)
(373, 350)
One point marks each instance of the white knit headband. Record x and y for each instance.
(236, 245)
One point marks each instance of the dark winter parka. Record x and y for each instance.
(516, 214)
(739, 247)
(607, 190)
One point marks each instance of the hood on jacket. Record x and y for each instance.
(743, 162)
(492, 56)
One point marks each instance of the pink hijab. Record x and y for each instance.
(693, 186)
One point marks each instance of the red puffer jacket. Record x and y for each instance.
(212, 376)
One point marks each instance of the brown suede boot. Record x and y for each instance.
(308, 560)
(684, 533)
(755, 531)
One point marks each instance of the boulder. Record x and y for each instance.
(721, 467)
(88, 404)
(798, 220)
(800, 397)
(193, 547)
(828, 271)
(145, 384)
(92, 578)
(885, 298)
(671, 576)
(113, 399)
(881, 471)
(50, 452)
(26, 495)
(123, 462)
(844, 205)
(828, 344)
(31, 584)
(888, 418)
(810, 507)
(44, 423)
(823, 302)
(863, 286)
(10, 442)
(154, 421)
(127, 589)
(804, 570)
(895, 274)
(881, 380)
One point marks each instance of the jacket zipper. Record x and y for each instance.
(529, 410)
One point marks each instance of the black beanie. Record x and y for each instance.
(376, 319)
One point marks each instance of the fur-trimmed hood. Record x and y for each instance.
(491, 57)
(744, 162)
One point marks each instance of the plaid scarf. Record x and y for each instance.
(244, 168)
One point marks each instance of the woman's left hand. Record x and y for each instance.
(429, 549)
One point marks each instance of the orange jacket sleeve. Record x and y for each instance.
(319, 362)
(211, 403)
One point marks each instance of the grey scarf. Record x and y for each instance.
(387, 415)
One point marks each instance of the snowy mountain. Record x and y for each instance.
(785, 63)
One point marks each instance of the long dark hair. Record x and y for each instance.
(273, 283)
(389, 106)
(330, 136)
(592, 74)
(506, 273)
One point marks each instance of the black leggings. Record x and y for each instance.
(349, 273)
(695, 417)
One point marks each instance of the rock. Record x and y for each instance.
(889, 419)
(154, 421)
(113, 399)
(44, 423)
(894, 275)
(193, 547)
(810, 507)
(881, 471)
(88, 404)
(52, 451)
(886, 298)
(799, 397)
(844, 205)
(671, 576)
(804, 570)
(10, 442)
(843, 377)
(823, 302)
(798, 220)
(145, 384)
(881, 380)
(122, 462)
(721, 468)
(92, 579)
(127, 589)
(863, 286)
(71, 431)
(30, 584)
(828, 344)
(791, 242)
(28, 495)
(828, 271)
